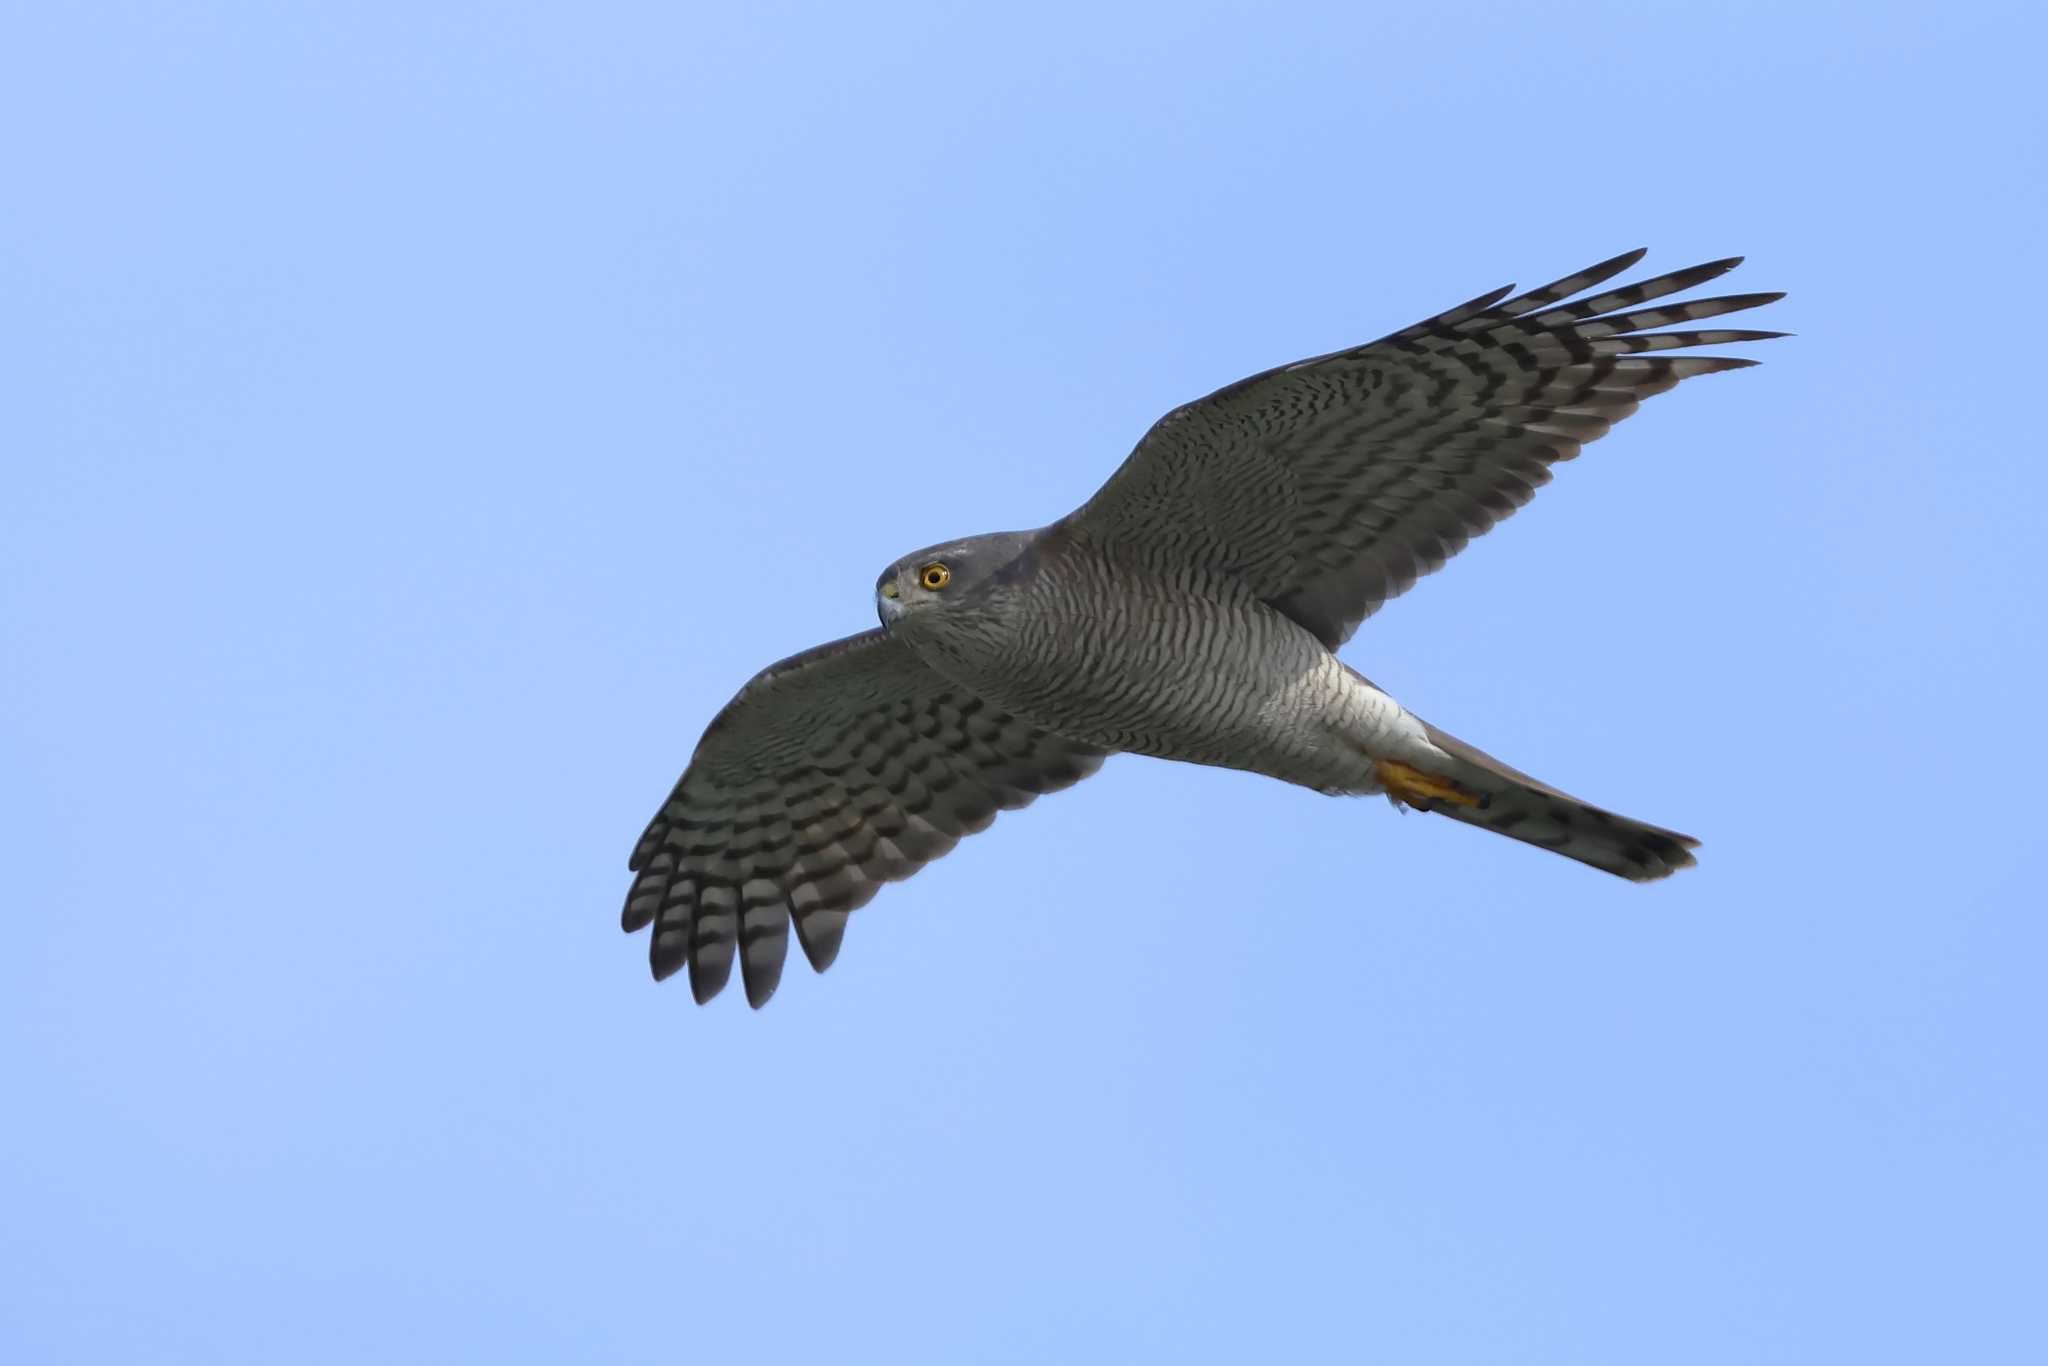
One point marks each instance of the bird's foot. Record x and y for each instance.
(1407, 785)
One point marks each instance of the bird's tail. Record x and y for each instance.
(1483, 791)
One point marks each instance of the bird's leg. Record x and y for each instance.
(1408, 785)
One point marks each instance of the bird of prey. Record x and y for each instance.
(1190, 610)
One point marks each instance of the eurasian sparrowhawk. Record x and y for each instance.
(1189, 610)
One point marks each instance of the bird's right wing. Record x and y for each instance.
(839, 769)
(1328, 486)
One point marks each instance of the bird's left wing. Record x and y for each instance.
(1330, 485)
(839, 769)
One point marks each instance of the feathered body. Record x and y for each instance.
(1126, 650)
(1191, 610)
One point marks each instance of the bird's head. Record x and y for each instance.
(948, 577)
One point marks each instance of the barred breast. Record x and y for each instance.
(1180, 662)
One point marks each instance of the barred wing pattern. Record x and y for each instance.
(1332, 484)
(839, 769)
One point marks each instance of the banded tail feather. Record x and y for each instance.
(1512, 803)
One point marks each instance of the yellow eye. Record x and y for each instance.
(934, 576)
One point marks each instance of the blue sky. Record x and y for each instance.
(418, 420)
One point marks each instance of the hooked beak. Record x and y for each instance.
(889, 602)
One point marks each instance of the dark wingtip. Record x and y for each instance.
(819, 934)
(1479, 303)
(1710, 270)
(667, 952)
(633, 917)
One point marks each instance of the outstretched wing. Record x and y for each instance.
(835, 771)
(1332, 484)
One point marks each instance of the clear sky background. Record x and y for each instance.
(418, 420)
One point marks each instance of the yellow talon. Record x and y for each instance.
(1409, 784)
